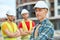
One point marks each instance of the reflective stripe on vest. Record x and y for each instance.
(10, 29)
(24, 27)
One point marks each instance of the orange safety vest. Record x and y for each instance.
(24, 27)
(10, 29)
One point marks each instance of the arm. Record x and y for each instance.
(9, 33)
(47, 33)
(29, 32)
(23, 33)
(6, 31)
(21, 30)
(17, 33)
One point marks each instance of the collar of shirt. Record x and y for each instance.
(44, 21)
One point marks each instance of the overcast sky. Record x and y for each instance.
(4, 6)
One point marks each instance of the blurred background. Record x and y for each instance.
(18, 5)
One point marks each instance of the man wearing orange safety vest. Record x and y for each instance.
(9, 28)
(26, 25)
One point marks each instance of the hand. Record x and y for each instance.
(29, 32)
(17, 33)
(26, 31)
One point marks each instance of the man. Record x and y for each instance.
(9, 28)
(44, 29)
(26, 25)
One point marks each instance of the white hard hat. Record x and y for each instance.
(10, 12)
(24, 11)
(41, 4)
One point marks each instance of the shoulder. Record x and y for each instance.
(20, 22)
(4, 23)
(49, 24)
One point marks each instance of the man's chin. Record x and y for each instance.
(11, 20)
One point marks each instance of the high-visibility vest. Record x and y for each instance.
(10, 29)
(24, 27)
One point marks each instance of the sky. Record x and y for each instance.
(5, 5)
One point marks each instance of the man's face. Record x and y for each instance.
(40, 13)
(11, 17)
(25, 16)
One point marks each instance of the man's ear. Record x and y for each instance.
(46, 11)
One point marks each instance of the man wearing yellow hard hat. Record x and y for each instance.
(44, 29)
(9, 28)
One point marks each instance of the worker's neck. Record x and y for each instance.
(42, 19)
(9, 20)
(26, 20)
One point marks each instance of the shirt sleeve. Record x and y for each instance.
(46, 34)
(33, 23)
(19, 25)
(4, 27)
